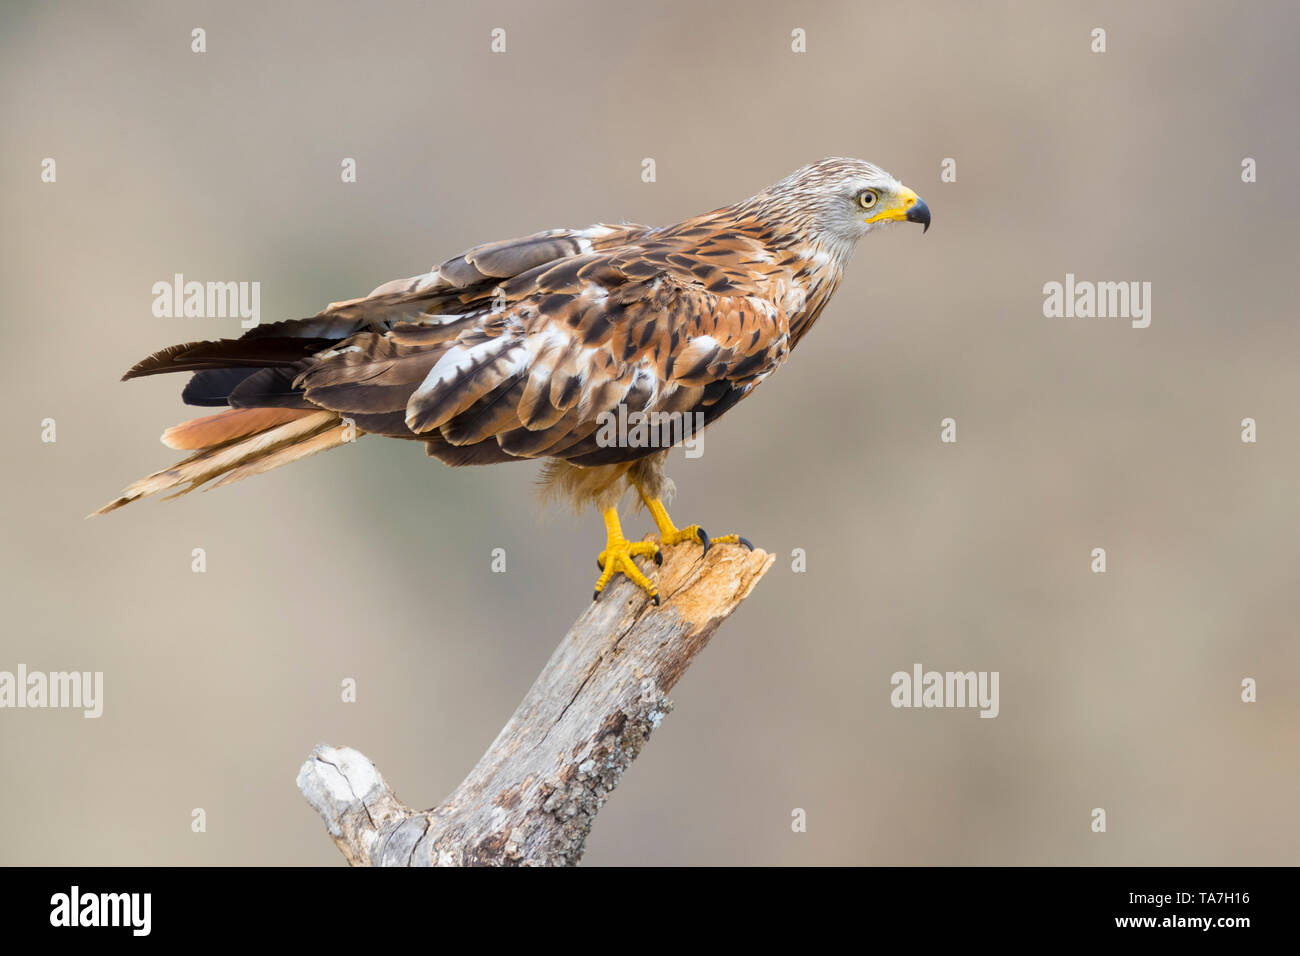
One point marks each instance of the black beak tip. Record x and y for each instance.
(920, 213)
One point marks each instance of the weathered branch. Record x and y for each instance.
(532, 798)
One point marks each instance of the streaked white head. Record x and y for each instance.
(837, 201)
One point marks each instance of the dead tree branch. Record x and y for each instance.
(532, 798)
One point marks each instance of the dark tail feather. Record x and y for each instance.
(212, 387)
(264, 352)
(268, 388)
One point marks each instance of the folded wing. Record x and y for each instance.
(512, 350)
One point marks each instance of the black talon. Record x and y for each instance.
(746, 542)
(704, 540)
(595, 596)
(655, 598)
(659, 557)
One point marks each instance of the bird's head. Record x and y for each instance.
(838, 201)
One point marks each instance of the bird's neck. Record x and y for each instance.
(785, 260)
(818, 296)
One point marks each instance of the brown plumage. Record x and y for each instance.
(524, 348)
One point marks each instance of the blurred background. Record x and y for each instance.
(1118, 690)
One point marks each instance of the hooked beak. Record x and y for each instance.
(920, 213)
(909, 208)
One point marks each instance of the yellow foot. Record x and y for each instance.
(617, 557)
(670, 534)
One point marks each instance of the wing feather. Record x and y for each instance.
(532, 364)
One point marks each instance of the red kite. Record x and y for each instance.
(536, 347)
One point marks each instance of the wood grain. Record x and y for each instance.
(533, 796)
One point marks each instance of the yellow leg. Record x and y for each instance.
(670, 534)
(618, 555)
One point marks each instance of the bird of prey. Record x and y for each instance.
(524, 348)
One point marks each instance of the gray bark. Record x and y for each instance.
(532, 798)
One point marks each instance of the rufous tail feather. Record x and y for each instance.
(238, 443)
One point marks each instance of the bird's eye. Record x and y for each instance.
(867, 198)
